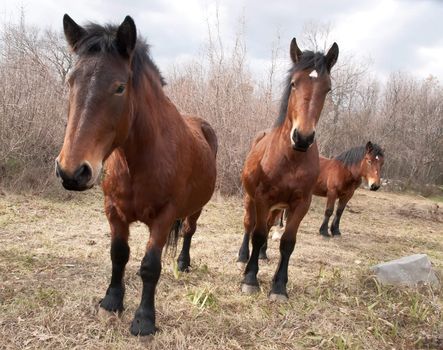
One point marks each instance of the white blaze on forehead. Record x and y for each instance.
(313, 74)
(376, 157)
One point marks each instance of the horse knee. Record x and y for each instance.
(258, 238)
(248, 223)
(151, 266)
(119, 251)
(329, 212)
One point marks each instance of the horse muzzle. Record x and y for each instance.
(300, 142)
(80, 180)
(374, 187)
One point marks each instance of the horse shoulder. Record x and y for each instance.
(117, 187)
(330, 170)
(252, 169)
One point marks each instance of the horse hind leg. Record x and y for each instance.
(259, 235)
(249, 223)
(272, 218)
(189, 227)
(335, 226)
(330, 203)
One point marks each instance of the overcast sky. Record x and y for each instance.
(404, 35)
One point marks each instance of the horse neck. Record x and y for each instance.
(356, 171)
(151, 116)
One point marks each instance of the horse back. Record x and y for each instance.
(201, 127)
(333, 176)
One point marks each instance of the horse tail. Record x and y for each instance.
(171, 243)
(210, 136)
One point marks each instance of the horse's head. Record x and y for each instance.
(310, 82)
(371, 165)
(99, 115)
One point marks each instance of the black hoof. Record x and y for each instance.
(278, 297)
(278, 289)
(325, 233)
(142, 326)
(113, 300)
(183, 265)
(251, 280)
(335, 231)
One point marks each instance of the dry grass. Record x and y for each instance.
(55, 266)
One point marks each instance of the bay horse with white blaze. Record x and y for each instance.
(160, 166)
(341, 176)
(282, 166)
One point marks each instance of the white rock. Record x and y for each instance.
(409, 270)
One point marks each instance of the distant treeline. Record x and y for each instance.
(404, 114)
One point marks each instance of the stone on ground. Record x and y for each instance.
(410, 270)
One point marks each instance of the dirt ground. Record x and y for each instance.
(55, 267)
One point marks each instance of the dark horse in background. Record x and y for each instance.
(160, 166)
(341, 176)
(283, 164)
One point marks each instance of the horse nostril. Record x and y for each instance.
(83, 174)
(374, 187)
(310, 139)
(57, 168)
(295, 136)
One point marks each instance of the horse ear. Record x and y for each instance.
(126, 37)
(369, 147)
(332, 56)
(294, 51)
(73, 32)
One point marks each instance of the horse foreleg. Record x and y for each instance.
(249, 223)
(287, 244)
(189, 227)
(113, 300)
(259, 236)
(330, 202)
(335, 226)
(144, 318)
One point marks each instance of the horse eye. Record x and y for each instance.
(369, 162)
(292, 84)
(120, 89)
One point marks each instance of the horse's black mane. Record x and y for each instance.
(309, 59)
(355, 155)
(101, 39)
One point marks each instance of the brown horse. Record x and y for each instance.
(341, 176)
(282, 165)
(160, 166)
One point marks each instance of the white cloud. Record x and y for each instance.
(396, 34)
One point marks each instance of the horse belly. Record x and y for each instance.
(200, 184)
